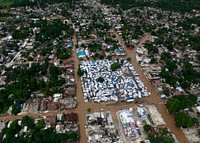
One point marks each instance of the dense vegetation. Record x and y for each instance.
(53, 30)
(124, 4)
(177, 105)
(100, 79)
(181, 102)
(80, 72)
(37, 133)
(151, 48)
(115, 66)
(172, 5)
(22, 33)
(178, 5)
(15, 3)
(22, 81)
(160, 136)
(188, 74)
(184, 120)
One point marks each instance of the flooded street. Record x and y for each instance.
(154, 98)
(83, 107)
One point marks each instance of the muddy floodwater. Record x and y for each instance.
(83, 107)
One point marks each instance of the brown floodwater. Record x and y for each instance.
(154, 98)
(82, 107)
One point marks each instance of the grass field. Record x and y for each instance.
(6, 3)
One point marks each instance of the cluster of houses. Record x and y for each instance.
(152, 72)
(91, 30)
(20, 49)
(150, 115)
(100, 128)
(38, 102)
(93, 24)
(133, 120)
(131, 128)
(171, 21)
(154, 20)
(56, 102)
(120, 85)
(28, 50)
(85, 53)
(61, 123)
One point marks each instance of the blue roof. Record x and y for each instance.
(81, 53)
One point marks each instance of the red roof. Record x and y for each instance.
(153, 131)
(72, 117)
(52, 106)
(44, 105)
(130, 47)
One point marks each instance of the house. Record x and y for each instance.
(44, 105)
(72, 117)
(50, 120)
(52, 106)
(70, 91)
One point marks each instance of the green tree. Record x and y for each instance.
(33, 83)
(53, 71)
(165, 56)
(15, 109)
(27, 121)
(147, 128)
(173, 105)
(166, 91)
(185, 121)
(115, 66)
(100, 79)
(64, 117)
(153, 60)
(109, 57)
(129, 59)
(151, 48)
(171, 65)
(41, 124)
(80, 72)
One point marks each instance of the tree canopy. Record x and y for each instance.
(181, 102)
(177, 105)
(22, 81)
(37, 134)
(184, 120)
(115, 66)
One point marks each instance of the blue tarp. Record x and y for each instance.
(113, 79)
(114, 92)
(81, 53)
